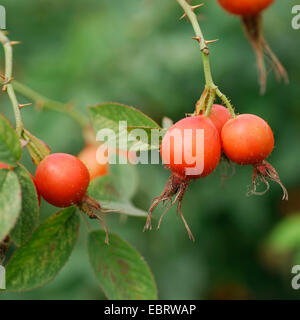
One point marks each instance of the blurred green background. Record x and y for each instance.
(136, 52)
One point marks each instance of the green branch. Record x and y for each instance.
(46, 103)
(211, 90)
(8, 75)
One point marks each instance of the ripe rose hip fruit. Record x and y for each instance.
(89, 157)
(219, 115)
(62, 179)
(248, 139)
(182, 139)
(173, 150)
(245, 7)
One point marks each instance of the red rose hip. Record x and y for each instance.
(247, 139)
(245, 7)
(62, 179)
(181, 141)
(219, 115)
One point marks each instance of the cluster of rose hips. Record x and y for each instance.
(245, 139)
(62, 179)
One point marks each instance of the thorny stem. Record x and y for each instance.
(8, 52)
(11, 86)
(46, 103)
(226, 101)
(206, 104)
(193, 19)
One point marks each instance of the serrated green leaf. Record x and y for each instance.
(10, 201)
(45, 253)
(28, 218)
(120, 270)
(109, 116)
(10, 147)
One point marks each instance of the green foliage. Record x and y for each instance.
(115, 190)
(43, 256)
(285, 237)
(10, 201)
(29, 215)
(10, 147)
(120, 270)
(42, 147)
(150, 61)
(109, 115)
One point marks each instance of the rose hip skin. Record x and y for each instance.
(62, 179)
(247, 139)
(245, 7)
(219, 115)
(89, 157)
(171, 148)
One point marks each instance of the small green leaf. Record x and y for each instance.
(10, 147)
(10, 201)
(28, 218)
(120, 270)
(109, 116)
(34, 145)
(45, 253)
(147, 138)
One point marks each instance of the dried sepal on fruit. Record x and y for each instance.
(261, 173)
(253, 27)
(176, 186)
(92, 208)
(250, 12)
